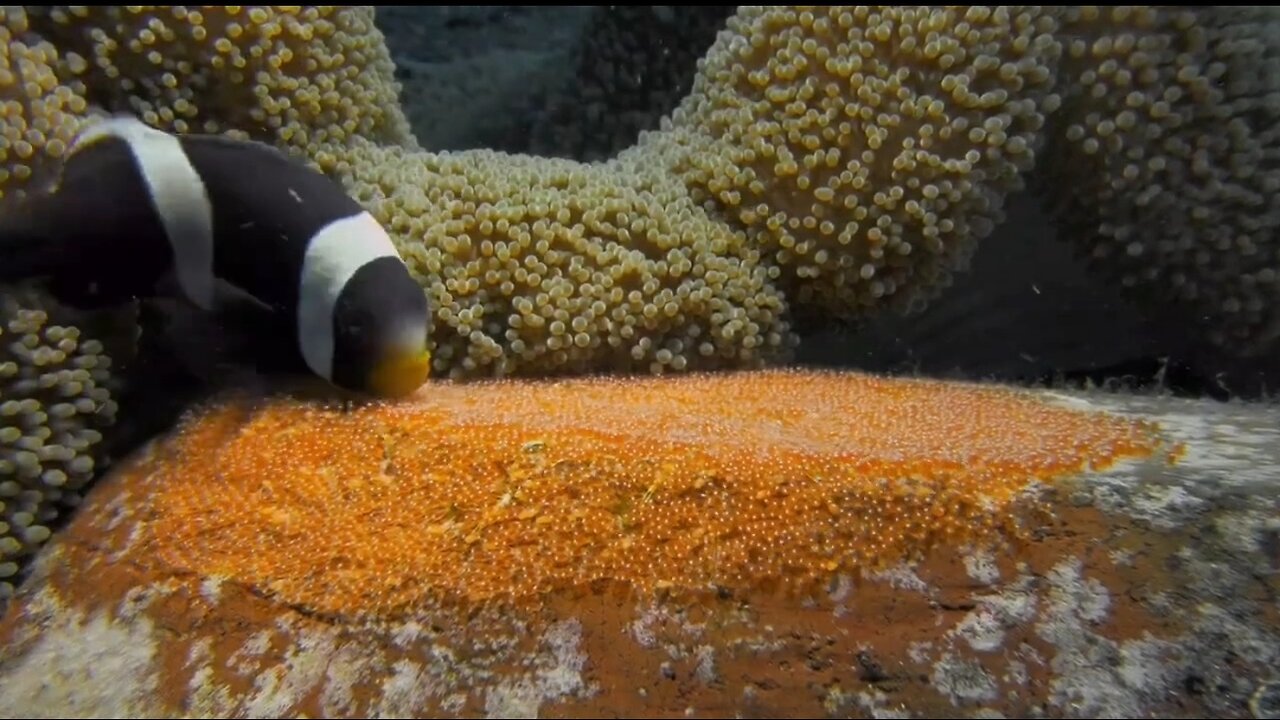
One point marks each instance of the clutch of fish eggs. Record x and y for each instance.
(53, 399)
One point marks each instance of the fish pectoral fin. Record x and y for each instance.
(233, 298)
(233, 338)
(265, 335)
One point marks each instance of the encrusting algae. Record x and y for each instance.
(503, 490)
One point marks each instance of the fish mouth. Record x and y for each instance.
(400, 373)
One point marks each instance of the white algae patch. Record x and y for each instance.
(81, 666)
(557, 674)
(981, 566)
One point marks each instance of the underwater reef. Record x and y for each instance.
(762, 543)
(800, 170)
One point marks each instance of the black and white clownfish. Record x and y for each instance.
(135, 206)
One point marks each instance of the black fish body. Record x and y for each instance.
(136, 206)
(100, 250)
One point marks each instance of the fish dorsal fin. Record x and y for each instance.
(228, 141)
(177, 194)
(113, 125)
(105, 126)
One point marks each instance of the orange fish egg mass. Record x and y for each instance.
(508, 489)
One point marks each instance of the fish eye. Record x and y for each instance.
(355, 328)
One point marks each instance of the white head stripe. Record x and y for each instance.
(334, 254)
(178, 196)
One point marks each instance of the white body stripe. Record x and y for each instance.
(178, 196)
(334, 254)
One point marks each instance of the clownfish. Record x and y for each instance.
(135, 206)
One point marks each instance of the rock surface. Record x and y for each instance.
(1106, 567)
